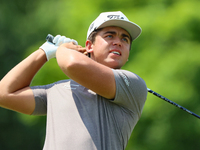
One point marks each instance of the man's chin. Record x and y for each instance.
(115, 66)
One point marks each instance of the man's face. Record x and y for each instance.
(111, 47)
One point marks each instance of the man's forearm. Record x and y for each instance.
(87, 72)
(22, 74)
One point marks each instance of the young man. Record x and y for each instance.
(98, 107)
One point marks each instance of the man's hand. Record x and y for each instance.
(78, 48)
(51, 48)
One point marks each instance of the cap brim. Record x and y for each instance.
(133, 29)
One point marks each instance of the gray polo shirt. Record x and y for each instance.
(79, 119)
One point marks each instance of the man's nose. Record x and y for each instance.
(117, 41)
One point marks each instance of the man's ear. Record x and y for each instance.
(89, 46)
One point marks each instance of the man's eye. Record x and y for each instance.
(125, 39)
(109, 36)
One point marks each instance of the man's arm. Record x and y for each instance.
(15, 93)
(87, 72)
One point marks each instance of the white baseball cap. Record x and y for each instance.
(116, 18)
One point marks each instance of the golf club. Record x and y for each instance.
(50, 39)
(171, 102)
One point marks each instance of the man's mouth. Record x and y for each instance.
(116, 52)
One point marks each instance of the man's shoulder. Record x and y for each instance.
(128, 77)
(125, 73)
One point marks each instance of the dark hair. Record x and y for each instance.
(92, 36)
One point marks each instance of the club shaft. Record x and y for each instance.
(173, 103)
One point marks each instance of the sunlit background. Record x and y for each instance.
(166, 56)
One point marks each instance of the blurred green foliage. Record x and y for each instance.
(166, 56)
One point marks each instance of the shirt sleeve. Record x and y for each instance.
(131, 91)
(40, 94)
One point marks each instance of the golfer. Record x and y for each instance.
(99, 106)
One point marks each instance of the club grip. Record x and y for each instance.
(50, 38)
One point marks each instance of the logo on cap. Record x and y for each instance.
(114, 17)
